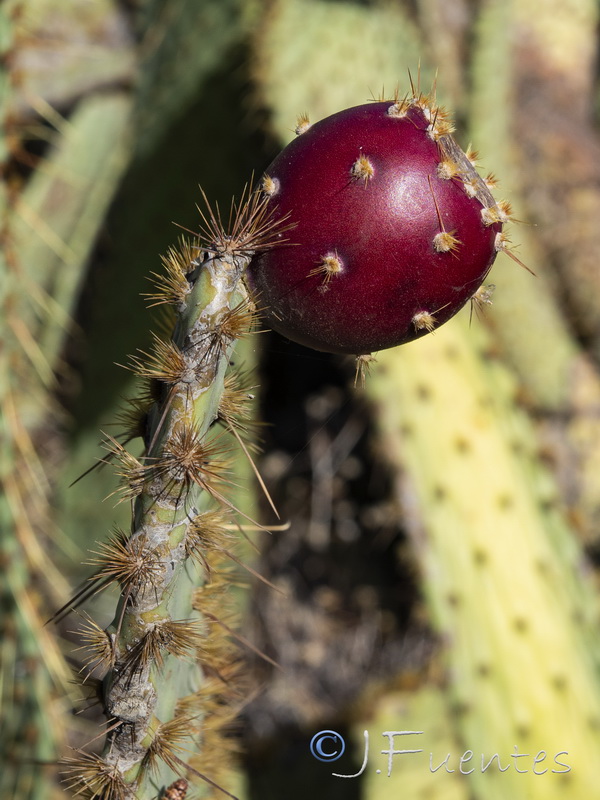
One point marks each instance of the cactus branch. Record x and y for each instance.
(154, 687)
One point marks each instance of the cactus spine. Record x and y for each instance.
(155, 694)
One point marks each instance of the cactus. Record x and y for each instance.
(155, 696)
(385, 37)
(87, 161)
(450, 509)
(515, 132)
(154, 189)
(396, 229)
(553, 101)
(294, 49)
(503, 574)
(35, 675)
(424, 708)
(174, 66)
(54, 216)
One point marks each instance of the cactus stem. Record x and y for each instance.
(129, 562)
(157, 628)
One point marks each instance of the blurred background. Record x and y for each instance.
(439, 572)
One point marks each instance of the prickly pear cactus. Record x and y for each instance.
(167, 647)
(505, 579)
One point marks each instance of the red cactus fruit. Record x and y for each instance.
(394, 229)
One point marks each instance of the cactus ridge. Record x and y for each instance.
(169, 655)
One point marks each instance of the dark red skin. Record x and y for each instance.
(382, 231)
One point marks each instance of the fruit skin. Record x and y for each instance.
(364, 186)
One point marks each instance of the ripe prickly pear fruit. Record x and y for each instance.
(394, 229)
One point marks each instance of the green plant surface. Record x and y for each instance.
(33, 670)
(424, 709)
(56, 207)
(162, 517)
(59, 213)
(315, 57)
(555, 132)
(152, 202)
(506, 581)
(531, 325)
(503, 574)
(528, 304)
(182, 43)
(66, 51)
